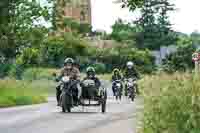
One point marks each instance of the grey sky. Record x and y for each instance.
(185, 19)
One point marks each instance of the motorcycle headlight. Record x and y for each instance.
(65, 79)
(130, 84)
(118, 85)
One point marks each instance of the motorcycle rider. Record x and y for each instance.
(91, 74)
(69, 70)
(131, 72)
(116, 76)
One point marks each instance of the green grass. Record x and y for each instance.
(13, 92)
(171, 103)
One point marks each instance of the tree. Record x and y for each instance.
(155, 24)
(180, 60)
(19, 18)
(195, 37)
(123, 32)
(132, 4)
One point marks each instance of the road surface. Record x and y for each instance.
(47, 118)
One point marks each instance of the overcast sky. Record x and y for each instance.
(186, 19)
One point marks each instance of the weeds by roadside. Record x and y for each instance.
(171, 103)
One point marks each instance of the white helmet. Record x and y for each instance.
(130, 64)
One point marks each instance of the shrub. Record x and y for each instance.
(99, 67)
(38, 73)
(29, 56)
(117, 58)
(181, 60)
(4, 69)
(57, 48)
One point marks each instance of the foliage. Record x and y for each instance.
(29, 56)
(132, 4)
(38, 74)
(4, 69)
(22, 17)
(14, 92)
(171, 103)
(195, 38)
(122, 32)
(155, 27)
(117, 58)
(99, 68)
(57, 48)
(181, 60)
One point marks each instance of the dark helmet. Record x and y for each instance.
(90, 71)
(69, 61)
(116, 70)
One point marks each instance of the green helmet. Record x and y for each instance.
(90, 69)
(69, 60)
(116, 70)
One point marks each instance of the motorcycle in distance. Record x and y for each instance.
(117, 88)
(131, 88)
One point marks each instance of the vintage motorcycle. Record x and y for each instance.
(89, 95)
(67, 96)
(131, 88)
(117, 89)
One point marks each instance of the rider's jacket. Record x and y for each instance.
(131, 73)
(95, 79)
(116, 77)
(73, 73)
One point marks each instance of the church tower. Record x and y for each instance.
(79, 10)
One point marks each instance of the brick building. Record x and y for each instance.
(79, 10)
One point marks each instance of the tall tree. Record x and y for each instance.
(155, 24)
(18, 19)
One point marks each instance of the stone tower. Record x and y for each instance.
(79, 10)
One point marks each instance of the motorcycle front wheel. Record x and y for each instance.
(64, 104)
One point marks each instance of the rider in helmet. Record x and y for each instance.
(91, 74)
(68, 70)
(116, 76)
(131, 72)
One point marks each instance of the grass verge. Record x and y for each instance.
(13, 92)
(171, 103)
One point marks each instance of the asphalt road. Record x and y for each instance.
(47, 118)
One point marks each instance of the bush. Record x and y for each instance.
(171, 103)
(181, 60)
(57, 48)
(38, 74)
(99, 68)
(4, 69)
(29, 56)
(117, 58)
